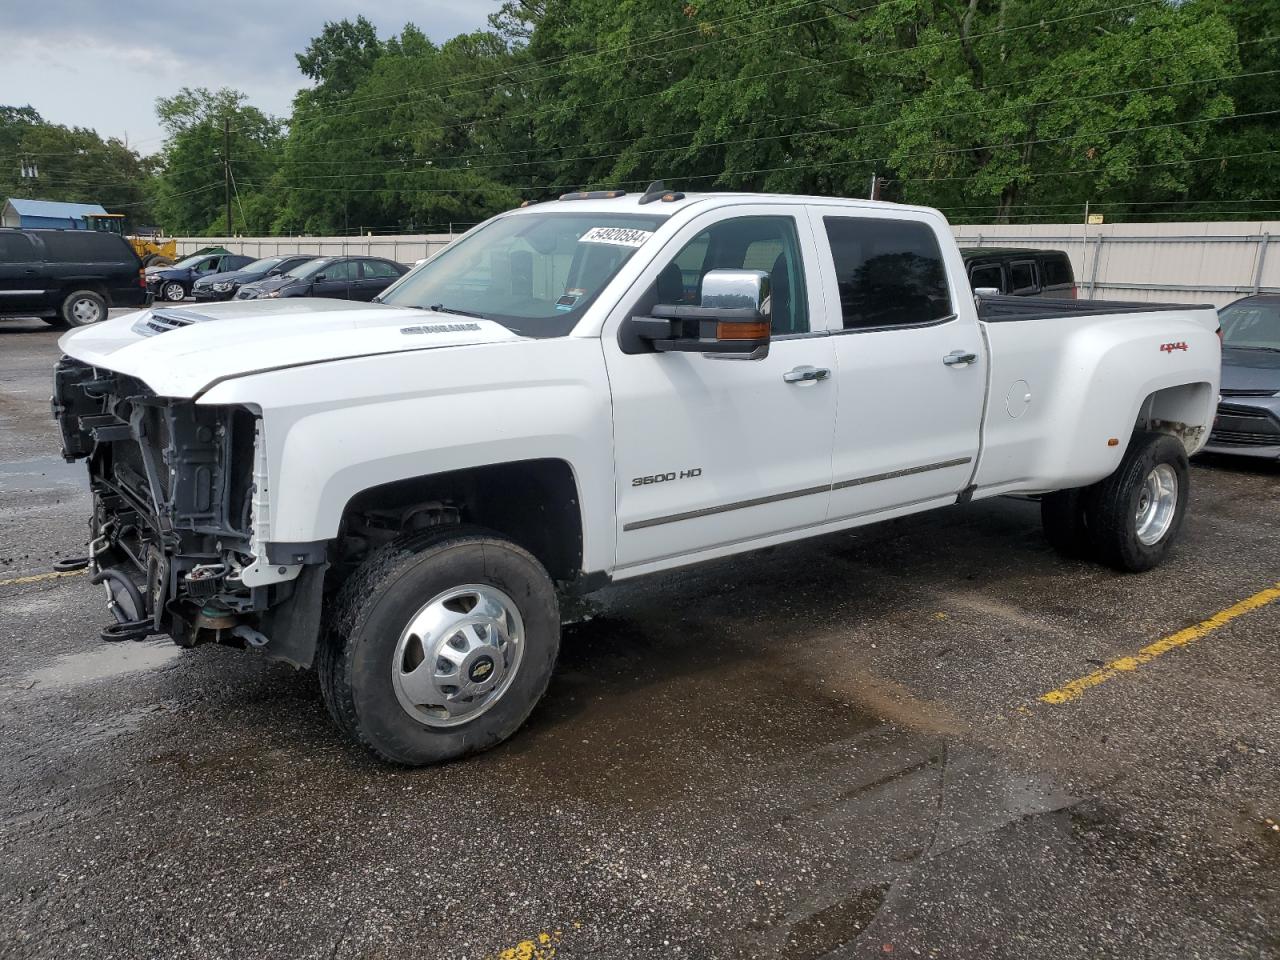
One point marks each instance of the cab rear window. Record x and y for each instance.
(1057, 271)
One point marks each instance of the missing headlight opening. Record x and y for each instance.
(172, 530)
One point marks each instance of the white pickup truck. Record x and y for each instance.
(584, 391)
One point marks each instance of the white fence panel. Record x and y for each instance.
(1158, 262)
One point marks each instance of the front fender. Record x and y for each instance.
(335, 429)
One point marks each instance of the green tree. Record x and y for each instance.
(410, 149)
(71, 164)
(190, 188)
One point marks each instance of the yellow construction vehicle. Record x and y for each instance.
(152, 250)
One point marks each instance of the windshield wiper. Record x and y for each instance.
(441, 308)
(1252, 347)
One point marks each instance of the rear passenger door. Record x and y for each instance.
(375, 276)
(22, 273)
(1024, 278)
(910, 361)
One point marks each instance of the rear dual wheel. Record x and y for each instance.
(440, 646)
(1130, 519)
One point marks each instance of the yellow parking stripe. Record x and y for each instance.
(36, 578)
(541, 947)
(1076, 688)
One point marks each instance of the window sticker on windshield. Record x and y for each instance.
(618, 236)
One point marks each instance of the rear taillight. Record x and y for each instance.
(142, 278)
(1075, 292)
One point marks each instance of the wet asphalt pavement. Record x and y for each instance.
(833, 749)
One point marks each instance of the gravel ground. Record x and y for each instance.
(833, 749)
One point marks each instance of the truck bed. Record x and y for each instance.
(1009, 309)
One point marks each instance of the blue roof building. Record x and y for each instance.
(46, 213)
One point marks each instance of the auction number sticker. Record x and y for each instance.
(618, 236)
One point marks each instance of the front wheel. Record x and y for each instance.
(1135, 513)
(173, 291)
(440, 646)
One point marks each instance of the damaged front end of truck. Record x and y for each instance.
(178, 534)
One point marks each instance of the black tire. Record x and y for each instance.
(1063, 515)
(379, 600)
(168, 289)
(1114, 505)
(82, 308)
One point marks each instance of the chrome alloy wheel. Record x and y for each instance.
(174, 292)
(458, 655)
(1157, 504)
(86, 310)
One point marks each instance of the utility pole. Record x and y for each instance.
(226, 169)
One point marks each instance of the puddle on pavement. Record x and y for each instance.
(103, 662)
(41, 472)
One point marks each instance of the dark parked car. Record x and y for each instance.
(347, 278)
(1248, 421)
(1020, 273)
(174, 283)
(224, 286)
(67, 276)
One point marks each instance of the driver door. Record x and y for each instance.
(714, 454)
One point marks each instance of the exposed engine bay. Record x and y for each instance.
(171, 534)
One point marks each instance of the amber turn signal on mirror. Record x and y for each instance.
(750, 330)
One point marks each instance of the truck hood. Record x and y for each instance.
(180, 352)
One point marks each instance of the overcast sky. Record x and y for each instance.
(102, 63)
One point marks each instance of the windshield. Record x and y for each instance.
(308, 268)
(262, 266)
(1251, 325)
(191, 261)
(534, 273)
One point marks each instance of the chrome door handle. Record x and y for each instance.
(806, 374)
(959, 358)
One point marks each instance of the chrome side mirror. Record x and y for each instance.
(737, 290)
(732, 320)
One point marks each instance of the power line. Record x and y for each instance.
(1118, 131)
(822, 131)
(1079, 204)
(539, 189)
(153, 199)
(1172, 214)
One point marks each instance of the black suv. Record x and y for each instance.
(68, 277)
(1017, 272)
